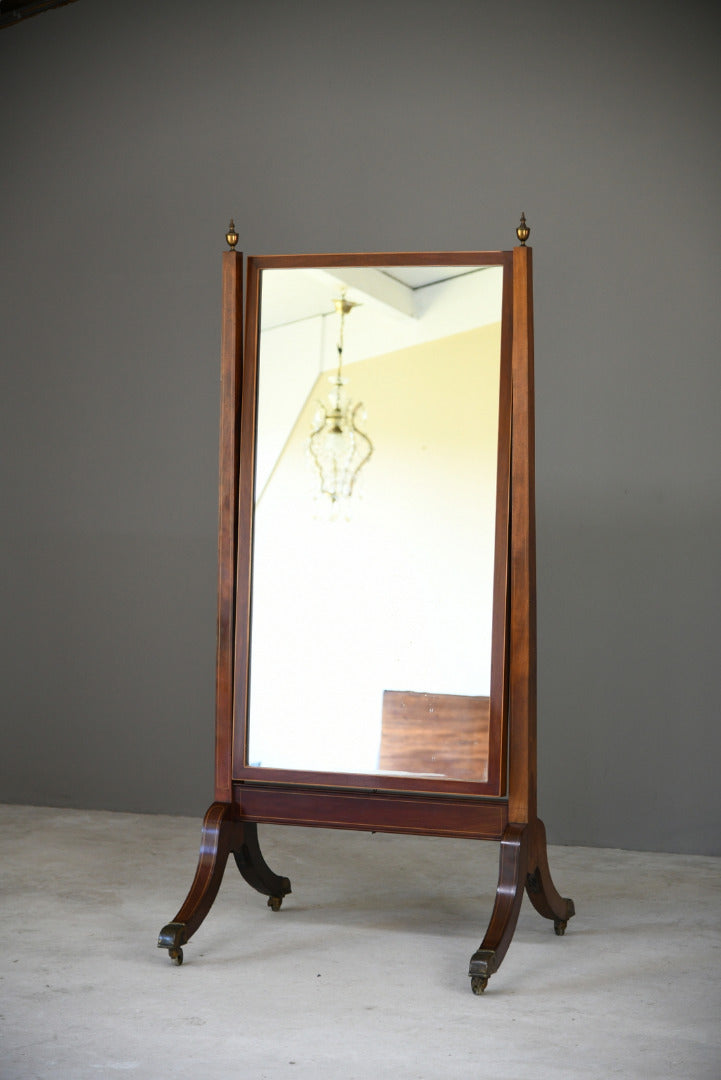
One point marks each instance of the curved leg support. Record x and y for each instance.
(509, 895)
(224, 833)
(542, 893)
(256, 871)
(221, 832)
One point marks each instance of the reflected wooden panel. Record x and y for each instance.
(444, 735)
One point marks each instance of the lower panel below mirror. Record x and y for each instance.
(465, 818)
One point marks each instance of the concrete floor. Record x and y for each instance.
(361, 975)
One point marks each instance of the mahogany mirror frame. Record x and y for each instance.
(369, 800)
(503, 807)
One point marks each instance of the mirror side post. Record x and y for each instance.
(222, 831)
(523, 679)
(529, 850)
(517, 854)
(230, 376)
(523, 863)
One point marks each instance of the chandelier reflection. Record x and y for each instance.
(338, 447)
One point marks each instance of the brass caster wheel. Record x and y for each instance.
(176, 956)
(559, 925)
(274, 902)
(479, 983)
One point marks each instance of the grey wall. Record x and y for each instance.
(130, 132)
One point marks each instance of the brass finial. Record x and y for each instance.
(523, 232)
(231, 236)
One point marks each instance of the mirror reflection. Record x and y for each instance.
(375, 505)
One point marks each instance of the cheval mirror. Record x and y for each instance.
(376, 654)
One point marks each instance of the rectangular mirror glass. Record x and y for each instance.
(375, 570)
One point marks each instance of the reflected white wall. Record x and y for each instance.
(400, 596)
